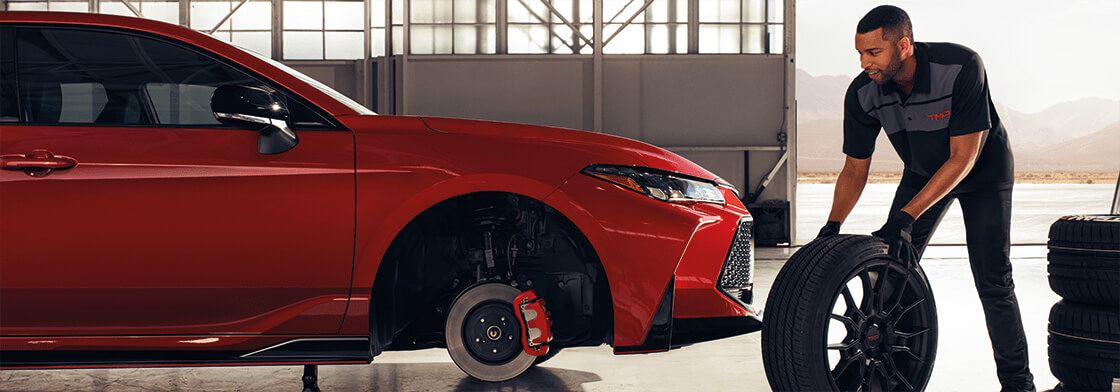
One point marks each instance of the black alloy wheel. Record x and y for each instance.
(880, 336)
(483, 334)
(844, 316)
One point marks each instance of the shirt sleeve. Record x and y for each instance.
(971, 100)
(860, 128)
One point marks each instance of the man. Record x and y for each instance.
(932, 100)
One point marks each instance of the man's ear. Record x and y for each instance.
(905, 47)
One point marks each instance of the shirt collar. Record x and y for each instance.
(921, 73)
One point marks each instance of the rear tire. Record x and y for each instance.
(818, 336)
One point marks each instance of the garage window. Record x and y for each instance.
(324, 30)
(249, 27)
(357, 29)
(452, 27)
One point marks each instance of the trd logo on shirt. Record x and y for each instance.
(938, 116)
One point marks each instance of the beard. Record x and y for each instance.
(892, 69)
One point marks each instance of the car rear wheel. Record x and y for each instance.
(843, 316)
(483, 334)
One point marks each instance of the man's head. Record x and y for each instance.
(884, 39)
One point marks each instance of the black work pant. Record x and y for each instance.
(987, 224)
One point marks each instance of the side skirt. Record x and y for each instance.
(325, 350)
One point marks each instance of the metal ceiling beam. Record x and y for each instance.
(229, 15)
(620, 10)
(628, 21)
(545, 22)
(548, 3)
(132, 8)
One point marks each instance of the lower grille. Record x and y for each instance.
(736, 278)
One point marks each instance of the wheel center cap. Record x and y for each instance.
(872, 337)
(494, 332)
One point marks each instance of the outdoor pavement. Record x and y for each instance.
(964, 356)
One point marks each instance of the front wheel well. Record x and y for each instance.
(488, 237)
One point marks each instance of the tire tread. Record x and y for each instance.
(1084, 258)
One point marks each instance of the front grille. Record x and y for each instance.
(735, 279)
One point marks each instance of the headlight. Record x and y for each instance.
(658, 184)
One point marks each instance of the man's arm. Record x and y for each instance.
(963, 151)
(849, 187)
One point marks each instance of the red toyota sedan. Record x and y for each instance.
(170, 199)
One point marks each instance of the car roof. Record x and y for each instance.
(185, 35)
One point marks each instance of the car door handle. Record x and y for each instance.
(38, 161)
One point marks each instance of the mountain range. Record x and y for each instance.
(1077, 136)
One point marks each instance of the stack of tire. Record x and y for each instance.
(1084, 329)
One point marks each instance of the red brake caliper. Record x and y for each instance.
(536, 328)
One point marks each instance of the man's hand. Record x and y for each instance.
(896, 232)
(830, 228)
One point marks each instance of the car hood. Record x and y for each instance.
(652, 156)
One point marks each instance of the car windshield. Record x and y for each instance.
(357, 107)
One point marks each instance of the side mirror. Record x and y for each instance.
(258, 110)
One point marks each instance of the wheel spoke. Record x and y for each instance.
(850, 325)
(843, 346)
(845, 361)
(907, 351)
(868, 376)
(850, 302)
(908, 335)
(889, 374)
(899, 292)
(898, 316)
(895, 373)
(880, 286)
(866, 283)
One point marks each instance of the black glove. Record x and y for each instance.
(830, 228)
(896, 232)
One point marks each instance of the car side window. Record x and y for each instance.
(86, 76)
(9, 100)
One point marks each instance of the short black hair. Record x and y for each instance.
(893, 20)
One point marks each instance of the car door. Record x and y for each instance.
(127, 209)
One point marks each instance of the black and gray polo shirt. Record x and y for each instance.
(950, 98)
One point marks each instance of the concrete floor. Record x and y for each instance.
(963, 360)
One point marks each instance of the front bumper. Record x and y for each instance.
(711, 300)
(702, 316)
(696, 330)
(703, 309)
(668, 332)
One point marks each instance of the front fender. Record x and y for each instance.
(639, 240)
(378, 226)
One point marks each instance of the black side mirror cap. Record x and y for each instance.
(258, 110)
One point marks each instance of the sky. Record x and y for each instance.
(1037, 53)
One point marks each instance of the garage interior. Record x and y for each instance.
(711, 80)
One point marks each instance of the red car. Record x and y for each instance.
(170, 199)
